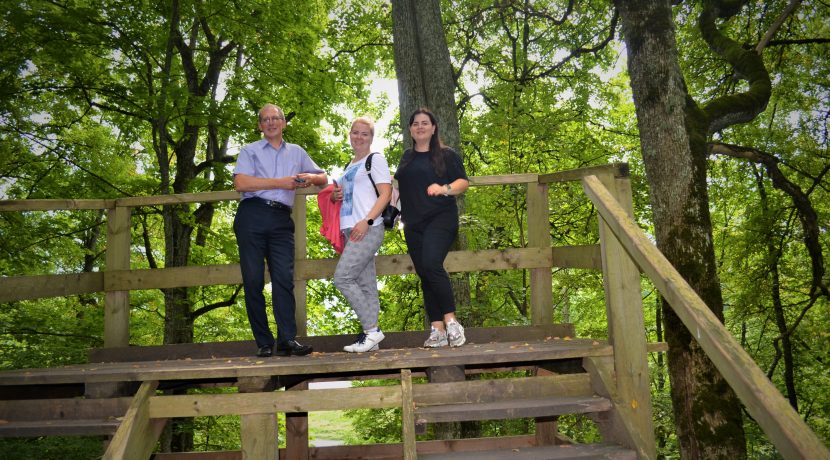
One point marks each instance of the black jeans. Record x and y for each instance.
(428, 243)
(267, 233)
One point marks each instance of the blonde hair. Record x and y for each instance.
(365, 121)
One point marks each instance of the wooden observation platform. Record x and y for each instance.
(119, 393)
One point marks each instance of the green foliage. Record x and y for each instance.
(67, 448)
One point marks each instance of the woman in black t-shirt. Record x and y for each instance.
(429, 176)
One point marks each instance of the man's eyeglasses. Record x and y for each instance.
(271, 119)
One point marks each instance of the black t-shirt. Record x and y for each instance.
(415, 174)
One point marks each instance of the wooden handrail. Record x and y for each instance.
(209, 197)
(785, 428)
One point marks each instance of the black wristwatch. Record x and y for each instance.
(370, 222)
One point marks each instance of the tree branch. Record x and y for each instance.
(225, 303)
(777, 25)
(806, 212)
(741, 107)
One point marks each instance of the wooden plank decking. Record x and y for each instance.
(316, 364)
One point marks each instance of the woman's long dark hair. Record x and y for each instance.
(436, 147)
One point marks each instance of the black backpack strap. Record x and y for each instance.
(369, 172)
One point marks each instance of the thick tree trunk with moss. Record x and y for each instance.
(423, 67)
(707, 412)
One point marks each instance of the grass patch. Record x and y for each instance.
(329, 425)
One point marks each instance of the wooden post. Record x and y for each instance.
(538, 236)
(626, 329)
(117, 303)
(546, 427)
(296, 430)
(300, 250)
(259, 432)
(408, 416)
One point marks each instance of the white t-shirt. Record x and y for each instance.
(358, 194)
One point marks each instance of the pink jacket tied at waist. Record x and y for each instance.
(330, 212)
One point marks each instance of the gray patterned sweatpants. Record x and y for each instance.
(356, 278)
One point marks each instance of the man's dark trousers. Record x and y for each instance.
(267, 233)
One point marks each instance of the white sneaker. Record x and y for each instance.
(365, 342)
(455, 334)
(436, 339)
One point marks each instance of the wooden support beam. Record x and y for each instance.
(573, 175)
(626, 325)
(15, 288)
(137, 436)
(259, 436)
(258, 430)
(408, 416)
(296, 427)
(618, 425)
(538, 236)
(546, 430)
(117, 303)
(298, 214)
(199, 405)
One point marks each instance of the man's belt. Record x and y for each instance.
(276, 205)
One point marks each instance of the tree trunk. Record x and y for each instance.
(423, 67)
(707, 412)
(425, 79)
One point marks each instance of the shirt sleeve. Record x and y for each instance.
(455, 167)
(380, 170)
(245, 163)
(308, 165)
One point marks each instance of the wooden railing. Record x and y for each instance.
(785, 428)
(119, 278)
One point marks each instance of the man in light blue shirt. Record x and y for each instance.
(267, 173)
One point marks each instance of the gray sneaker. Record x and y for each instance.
(455, 334)
(436, 339)
(365, 342)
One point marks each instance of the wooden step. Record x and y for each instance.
(80, 427)
(512, 409)
(61, 417)
(557, 452)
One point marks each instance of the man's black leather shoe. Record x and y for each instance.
(265, 352)
(292, 347)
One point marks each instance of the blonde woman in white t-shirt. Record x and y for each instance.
(362, 227)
